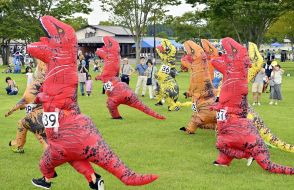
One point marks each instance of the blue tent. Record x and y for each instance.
(276, 44)
(149, 43)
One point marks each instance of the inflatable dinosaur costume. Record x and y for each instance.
(168, 88)
(72, 137)
(236, 136)
(33, 119)
(118, 92)
(200, 89)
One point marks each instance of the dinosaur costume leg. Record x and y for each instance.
(21, 135)
(204, 119)
(80, 140)
(113, 109)
(83, 167)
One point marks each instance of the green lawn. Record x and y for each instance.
(147, 145)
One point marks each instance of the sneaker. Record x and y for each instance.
(143, 95)
(17, 150)
(276, 103)
(258, 104)
(254, 104)
(249, 161)
(271, 103)
(218, 164)
(41, 182)
(99, 185)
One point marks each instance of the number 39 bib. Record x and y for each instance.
(50, 119)
(221, 115)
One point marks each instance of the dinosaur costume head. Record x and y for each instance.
(234, 66)
(110, 53)
(255, 59)
(59, 51)
(167, 51)
(194, 55)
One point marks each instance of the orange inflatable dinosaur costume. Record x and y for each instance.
(33, 119)
(200, 88)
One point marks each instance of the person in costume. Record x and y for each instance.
(72, 137)
(200, 88)
(168, 88)
(236, 136)
(33, 119)
(118, 92)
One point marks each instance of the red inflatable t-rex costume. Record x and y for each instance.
(236, 135)
(118, 92)
(72, 137)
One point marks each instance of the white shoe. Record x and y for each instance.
(100, 184)
(258, 104)
(249, 161)
(271, 103)
(254, 104)
(276, 103)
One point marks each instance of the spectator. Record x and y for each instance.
(151, 81)
(273, 55)
(268, 70)
(268, 55)
(17, 63)
(8, 69)
(29, 75)
(142, 78)
(126, 71)
(11, 88)
(276, 81)
(87, 60)
(89, 85)
(257, 86)
(82, 74)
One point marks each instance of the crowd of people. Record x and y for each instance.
(269, 77)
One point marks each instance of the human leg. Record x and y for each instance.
(144, 81)
(138, 85)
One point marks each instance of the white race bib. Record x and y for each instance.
(194, 107)
(30, 107)
(165, 69)
(50, 119)
(221, 115)
(218, 74)
(108, 86)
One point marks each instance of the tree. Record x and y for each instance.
(249, 19)
(19, 18)
(134, 14)
(161, 35)
(283, 28)
(107, 23)
(77, 22)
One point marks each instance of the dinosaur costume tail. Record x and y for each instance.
(176, 106)
(263, 159)
(136, 103)
(266, 134)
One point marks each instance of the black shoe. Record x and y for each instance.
(183, 129)
(99, 185)
(185, 94)
(159, 104)
(117, 117)
(143, 95)
(41, 182)
(218, 164)
(9, 143)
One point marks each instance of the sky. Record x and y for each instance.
(98, 15)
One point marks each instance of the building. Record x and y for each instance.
(90, 38)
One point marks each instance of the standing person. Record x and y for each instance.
(276, 81)
(89, 85)
(17, 63)
(273, 55)
(257, 86)
(87, 60)
(11, 88)
(126, 71)
(83, 72)
(268, 55)
(142, 78)
(268, 70)
(29, 75)
(151, 81)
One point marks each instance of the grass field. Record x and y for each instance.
(146, 145)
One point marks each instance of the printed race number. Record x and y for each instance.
(50, 119)
(108, 86)
(194, 107)
(29, 108)
(165, 69)
(221, 115)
